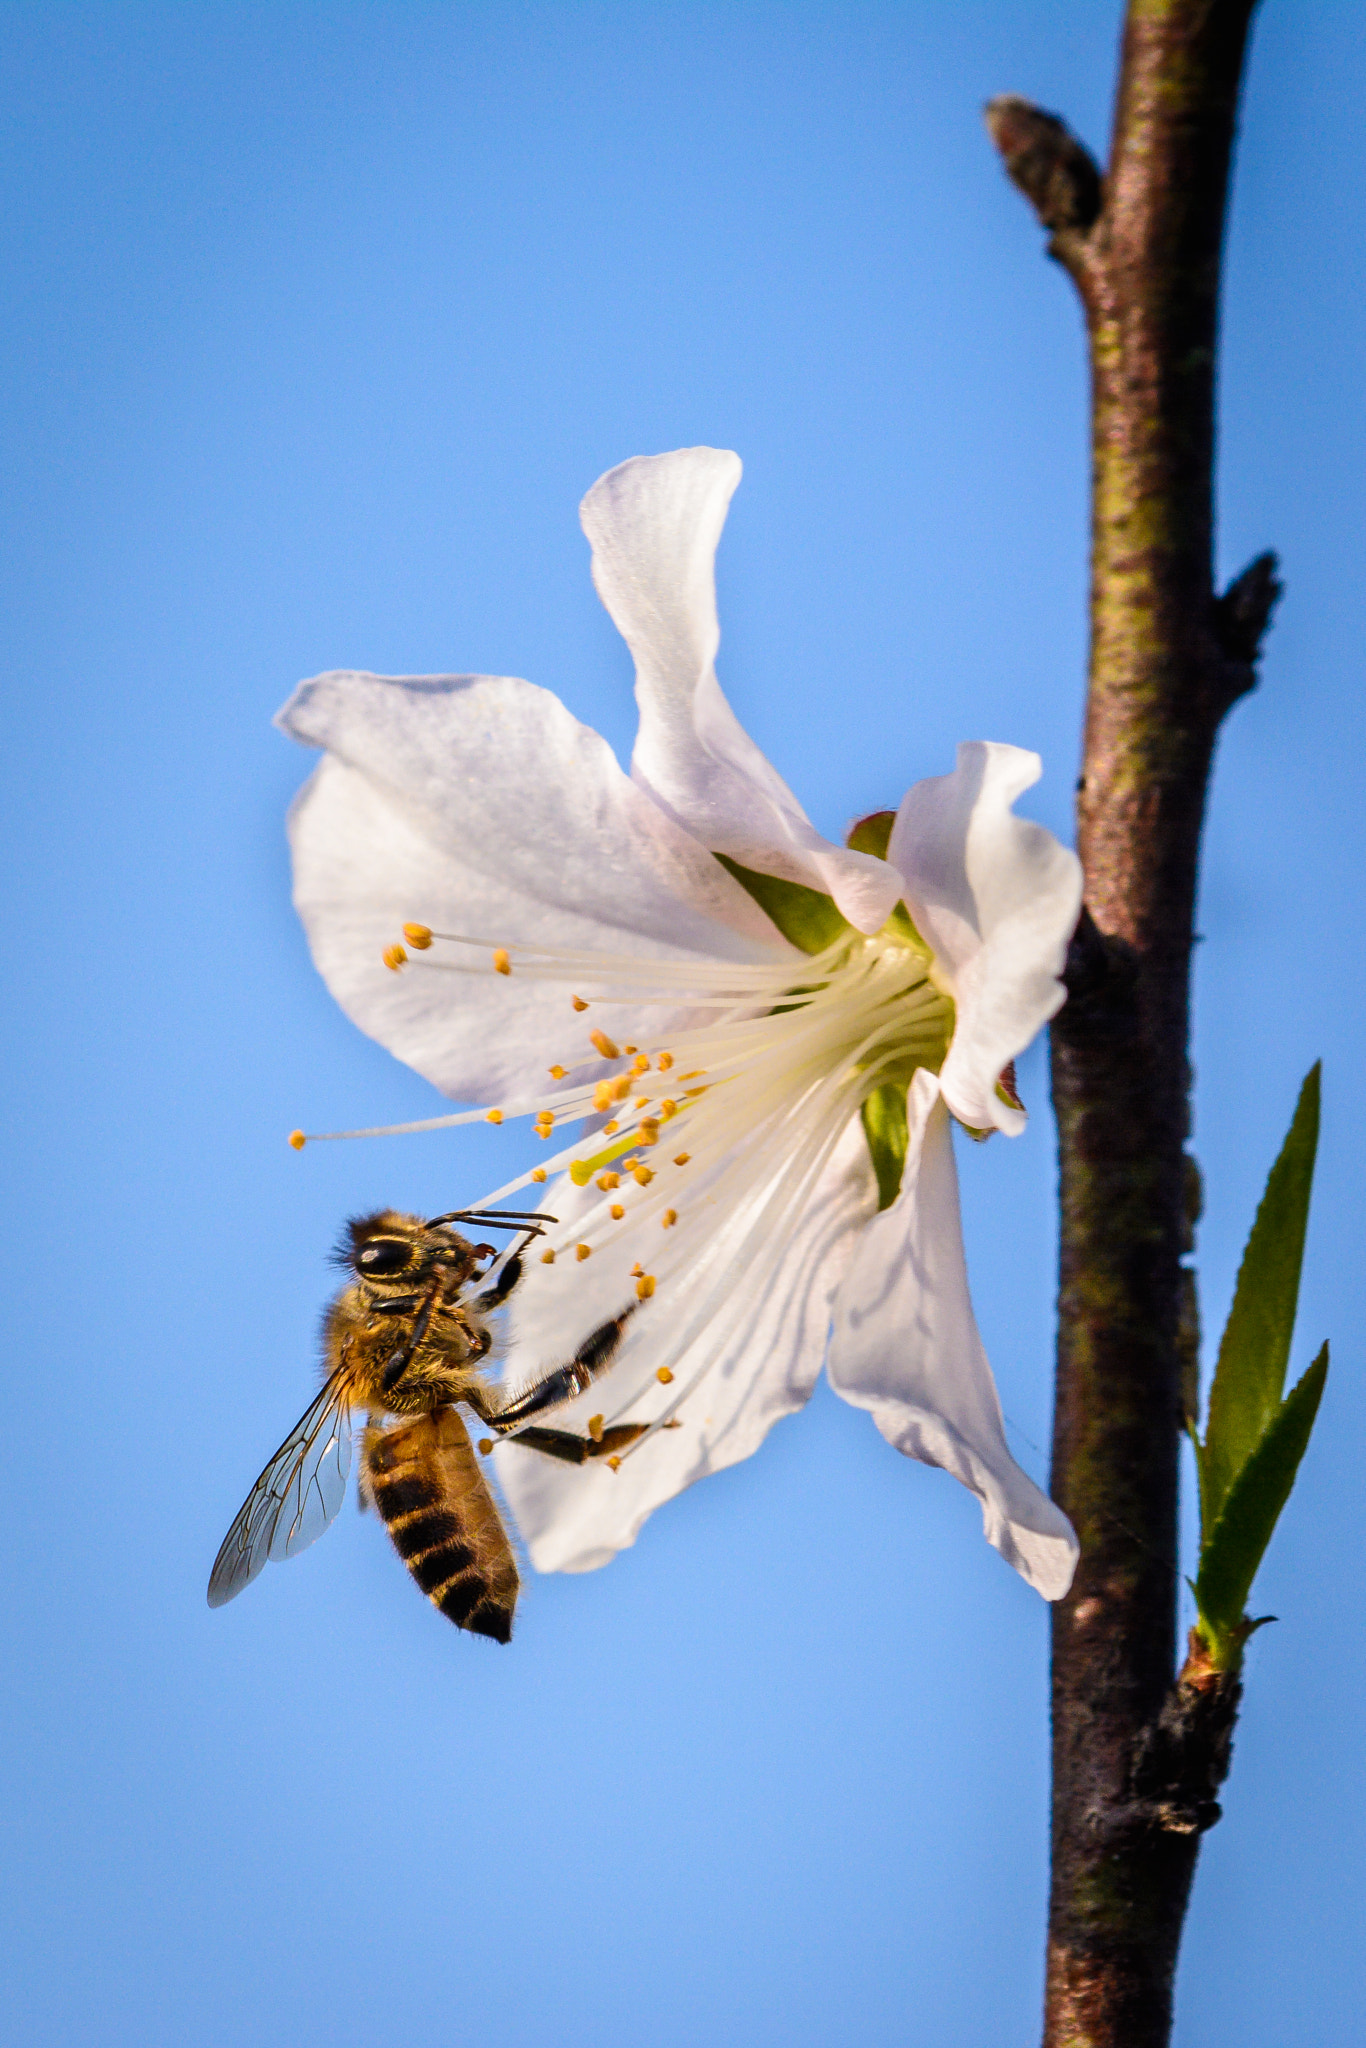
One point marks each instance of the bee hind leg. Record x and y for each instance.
(577, 1450)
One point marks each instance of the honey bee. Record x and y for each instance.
(406, 1339)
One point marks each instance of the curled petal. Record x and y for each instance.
(654, 524)
(759, 1366)
(906, 1347)
(998, 898)
(477, 804)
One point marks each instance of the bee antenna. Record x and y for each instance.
(500, 1219)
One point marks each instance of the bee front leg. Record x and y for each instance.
(577, 1450)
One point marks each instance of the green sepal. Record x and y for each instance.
(804, 916)
(887, 1129)
(873, 834)
(1250, 1375)
(1234, 1548)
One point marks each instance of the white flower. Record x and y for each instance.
(717, 1165)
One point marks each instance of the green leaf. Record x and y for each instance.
(885, 1125)
(1250, 1375)
(806, 917)
(1235, 1546)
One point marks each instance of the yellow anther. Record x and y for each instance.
(546, 1117)
(485, 1446)
(297, 1140)
(669, 1218)
(645, 1286)
(558, 1073)
(682, 1158)
(642, 1060)
(648, 1133)
(621, 1087)
(695, 1075)
(664, 1062)
(615, 1464)
(538, 1173)
(501, 963)
(495, 1116)
(637, 1270)
(603, 1098)
(628, 1048)
(642, 1176)
(629, 1165)
(542, 1131)
(604, 1045)
(393, 957)
(583, 1251)
(418, 935)
(608, 1181)
(578, 1002)
(616, 1212)
(547, 1258)
(641, 1102)
(668, 1109)
(691, 1093)
(595, 1423)
(610, 1130)
(664, 1376)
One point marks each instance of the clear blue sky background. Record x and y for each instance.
(317, 322)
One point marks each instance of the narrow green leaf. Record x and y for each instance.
(806, 917)
(1250, 1375)
(885, 1124)
(1235, 1546)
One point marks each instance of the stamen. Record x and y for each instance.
(538, 1173)
(608, 1181)
(645, 1286)
(595, 1423)
(669, 1218)
(558, 1073)
(682, 1159)
(582, 1252)
(642, 1176)
(664, 1062)
(615, 1464)
(616, 1212)
(548, 1257)
(494, 1116)
(603, 1043)
(628, 1048)
(501, 963)
(393, 957)
(664, 1376)
(297, 1140)
(579, 1003)
(418, 936)
(485, 1446)
(610, 1130)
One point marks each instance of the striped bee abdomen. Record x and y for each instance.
(437, 1507)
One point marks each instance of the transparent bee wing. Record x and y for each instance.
(294, 1499)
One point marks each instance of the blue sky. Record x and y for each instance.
(318, 322)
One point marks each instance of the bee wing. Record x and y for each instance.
(294, 1499)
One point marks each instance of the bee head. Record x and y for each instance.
(394, 1252)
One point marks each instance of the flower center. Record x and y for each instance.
(699, 1142)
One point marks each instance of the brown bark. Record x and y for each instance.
(1137, 1757)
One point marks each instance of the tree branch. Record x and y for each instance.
(1137, 1756)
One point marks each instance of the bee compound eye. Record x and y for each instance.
(382, 1255)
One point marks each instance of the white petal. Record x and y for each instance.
(906, 1347)
(478, 804)
(654, 524)
(998, 899)
(776, 1321)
